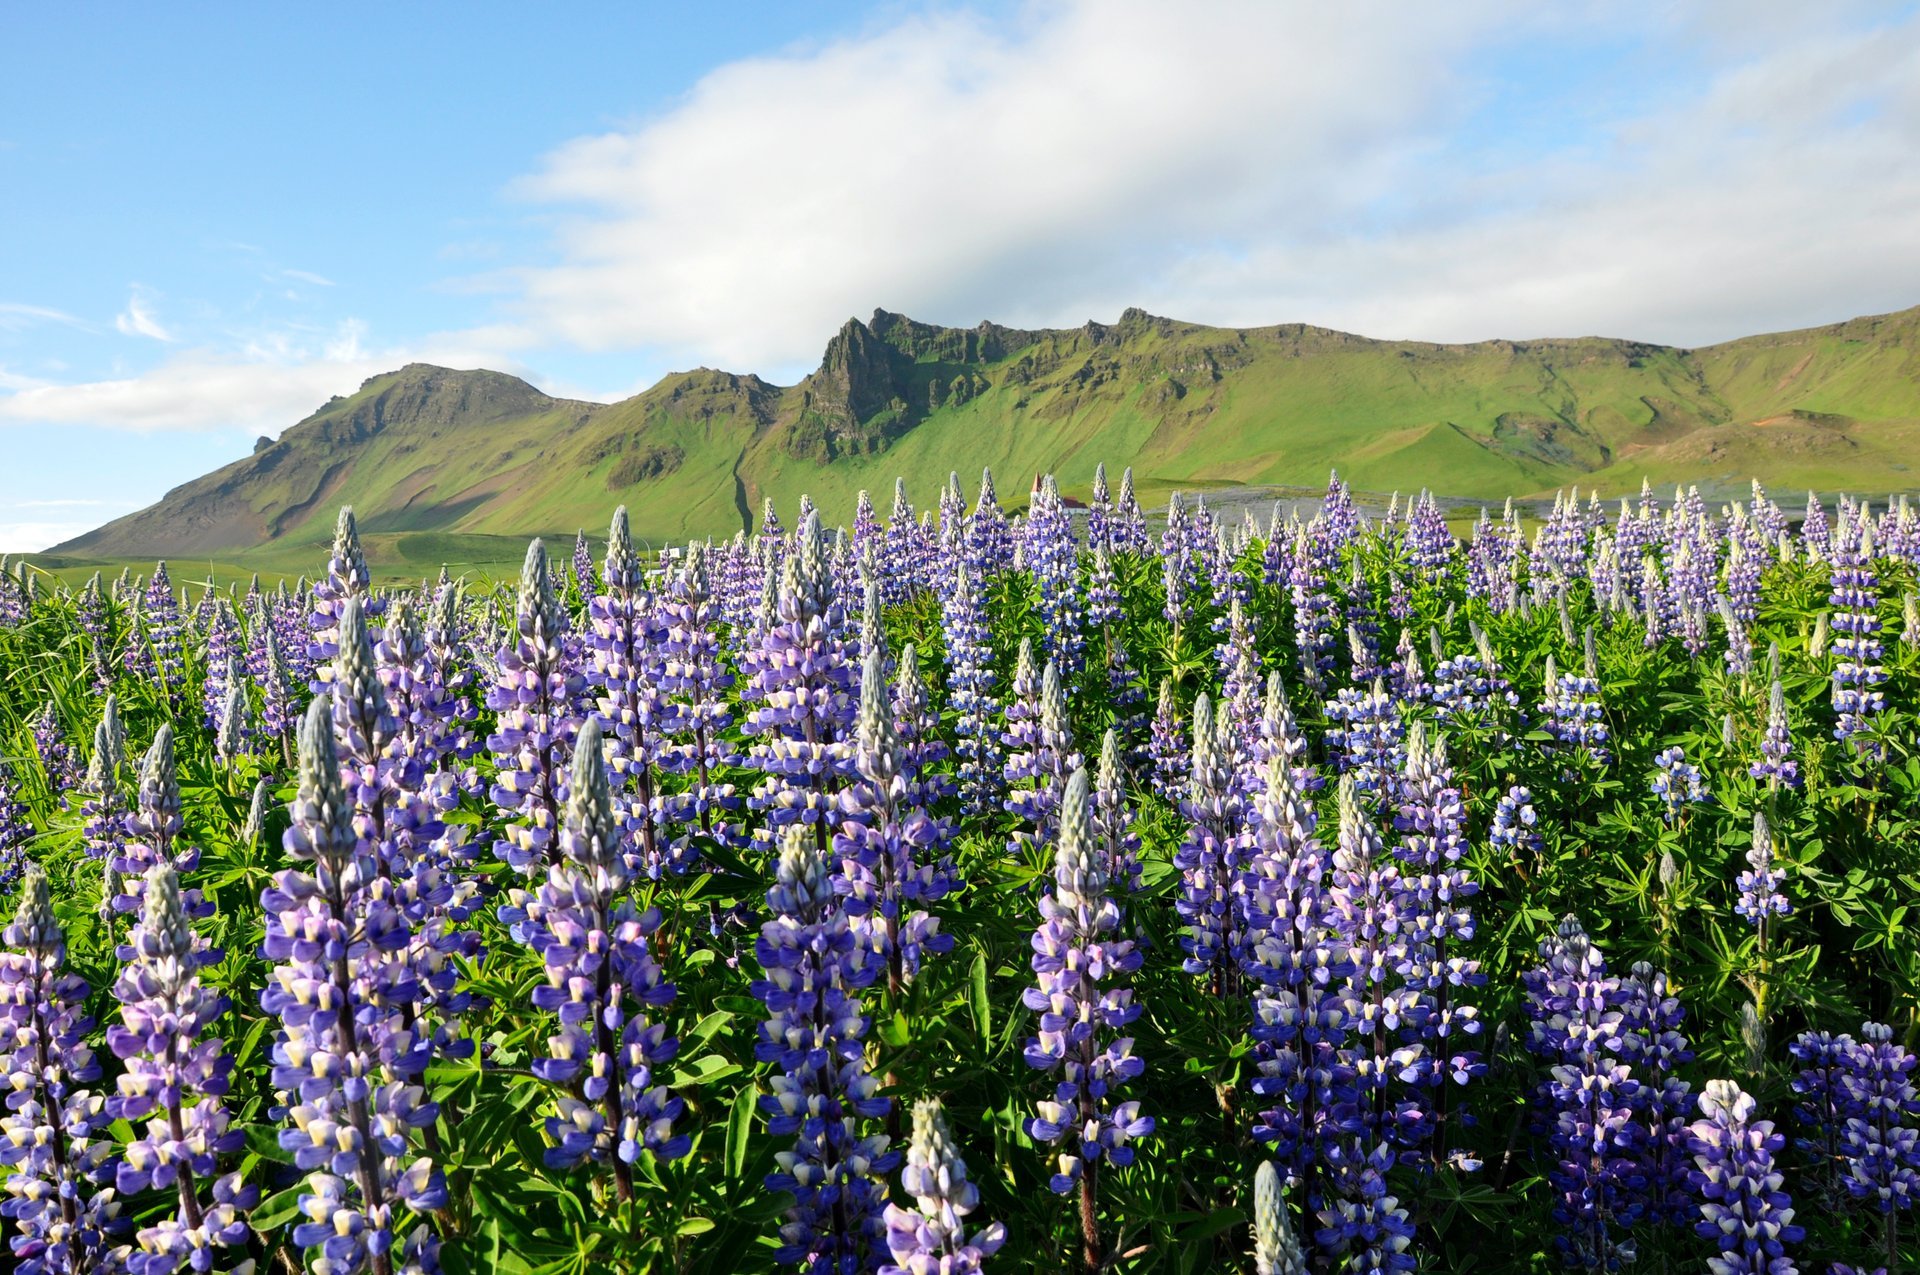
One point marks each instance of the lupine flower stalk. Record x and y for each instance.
(1743, 1209)
(178, 1072)
(1276, 1250)
(1081, 961)
(822, 1094)
(533, 694)
(932, 1238)
(887, 845)
(54, 1136)
(601, 981)
(344, 1056)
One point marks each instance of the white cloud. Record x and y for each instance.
(32, 537)
(138, 318)
(276, 378)
(1246, 163)
(947, 167)
(17, 316)
(307, 276)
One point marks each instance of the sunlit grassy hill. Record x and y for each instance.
(460, 466)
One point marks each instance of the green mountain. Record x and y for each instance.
(436, 462)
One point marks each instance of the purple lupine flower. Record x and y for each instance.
(1816, 534)
(1776, 767)
(1406, 675)
(1857, 673)
(1746, 559)
(1241, 684)
(178, 1071)
(584, 577)
(1052, 558)
(1112, 814)
(57, 765)
(601, 981)
(16, 829)
(931, 1237)
(822, 1093)
(1211, 854)
(1429, 543)
(279, 685)
(103, 810)
(1101, 527)
(398, 807)
(1880, 1144)
(1437, 919)
(1361, 1226)
(1365, 735)
(628, 646)
(1677, 783)
(1168, 751)
(1040, 753)
(223, 644)
(906, 551)
(1369, 903)
(1823, 1107)
(533, 693)
(866, 527)
(1127, 699)
(1130, 521)
(152, 831)
(801, 682)
(887, 845)
(1313, 604)
(988, 546)
(693, 673)
(330, 926)
(1300, 967)
(916, 727)
(1515, 824)
(424, 683)
(1081, 962)
(1649, 1039)
(970, 679)
(91, 613)
(1587, 1103)
(54, 1136)
(1574, 715)
(1759, 885)
(950, 539)
(1176, 565)
(1472, 687)
(347, 577)
(1493, 561)
(1275, 732)
(16, 598)
(161, 612)
(1743, 1209)
(1103, 593)
(1363, 629)
(1561, 548)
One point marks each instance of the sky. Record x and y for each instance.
(215, 217)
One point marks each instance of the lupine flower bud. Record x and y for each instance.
(1276, 1250)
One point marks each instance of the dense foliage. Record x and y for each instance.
(971, 891)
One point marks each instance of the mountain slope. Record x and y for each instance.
(425, 451)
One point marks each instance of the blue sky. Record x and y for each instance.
(213, 217)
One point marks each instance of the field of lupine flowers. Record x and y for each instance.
(962, 891)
